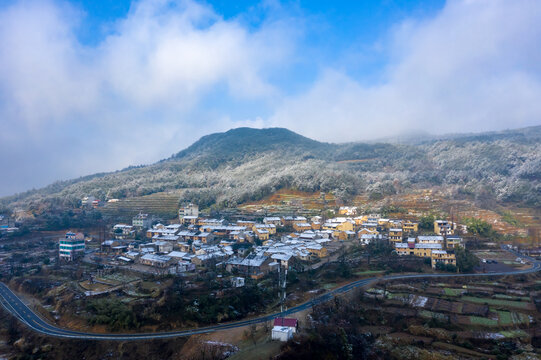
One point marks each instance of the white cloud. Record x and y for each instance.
(132, 98)
(475, 66)
(173, 70)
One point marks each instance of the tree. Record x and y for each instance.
(426, 222)
(466, 261)
(479, 227)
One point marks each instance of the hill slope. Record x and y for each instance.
(247, 164)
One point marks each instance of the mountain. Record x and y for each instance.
(247, 164)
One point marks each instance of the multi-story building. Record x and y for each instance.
(444, 227)
(190, 210)
(272, 220)
(430, 239)
(302, 226)
(395, 234)
(453, 241)
(410, 227)
(71, 246)
(142, 221)
(433, 251)
(188, 214)
(442, 257)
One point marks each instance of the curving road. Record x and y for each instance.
(15, 306)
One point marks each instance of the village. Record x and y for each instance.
(155, 273)
(254, 248)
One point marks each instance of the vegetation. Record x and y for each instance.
(247, 164)
(113, 313)
(426, 222)
(479, 227)
(466, 261)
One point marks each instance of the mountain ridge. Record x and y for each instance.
(244, 164)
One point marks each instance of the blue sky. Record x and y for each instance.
(90, 86)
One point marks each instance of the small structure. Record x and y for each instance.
(291, 323)
(284, 328)
(281, 333)
(237, 282)
(159, 261)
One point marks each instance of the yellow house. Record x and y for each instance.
(444, 227)
(421, 250)
(452, 242)
(345, 226)
(442, 257)
(340, 235)
(188, 220)
(317, 250)
(409, 227)
(262, 234)
(347, 210)
(270, 228)
(395, 235)
(300, 227)
(367, 232)
(370, 226)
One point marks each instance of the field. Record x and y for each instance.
(465, 304)
(287, 201)
(164, 204)
(499, 303)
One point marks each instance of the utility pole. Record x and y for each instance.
(282, 286)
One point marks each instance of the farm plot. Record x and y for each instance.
(496, 319)
(500, 303)
(507, 318)
(94, 286)
(511, 297)
(453, 292)
(433, 315)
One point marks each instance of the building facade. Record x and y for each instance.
(71, 246)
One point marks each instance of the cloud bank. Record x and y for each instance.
(171, 71)
(69, 109)
(476, 66)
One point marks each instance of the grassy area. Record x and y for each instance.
(510, 219)
(510, 297)
(510, 318)
(458, 349)
(453, 292)
(481, 321)
(433, 315)
(498, 302)
(369, 272)
(266, 350)
(514, 333)
(329, 286)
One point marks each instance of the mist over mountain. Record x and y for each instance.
(244, 164)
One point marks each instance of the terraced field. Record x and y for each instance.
(500, 303)
(164, 205)
(288, 202)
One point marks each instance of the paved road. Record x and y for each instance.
(15, 306)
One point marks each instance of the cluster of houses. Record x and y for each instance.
(254, 248)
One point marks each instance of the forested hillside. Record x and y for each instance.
(245, 164)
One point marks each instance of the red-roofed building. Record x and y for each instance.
(286, 322)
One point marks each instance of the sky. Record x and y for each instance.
(91, 86)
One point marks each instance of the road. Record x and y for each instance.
(15, 306)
